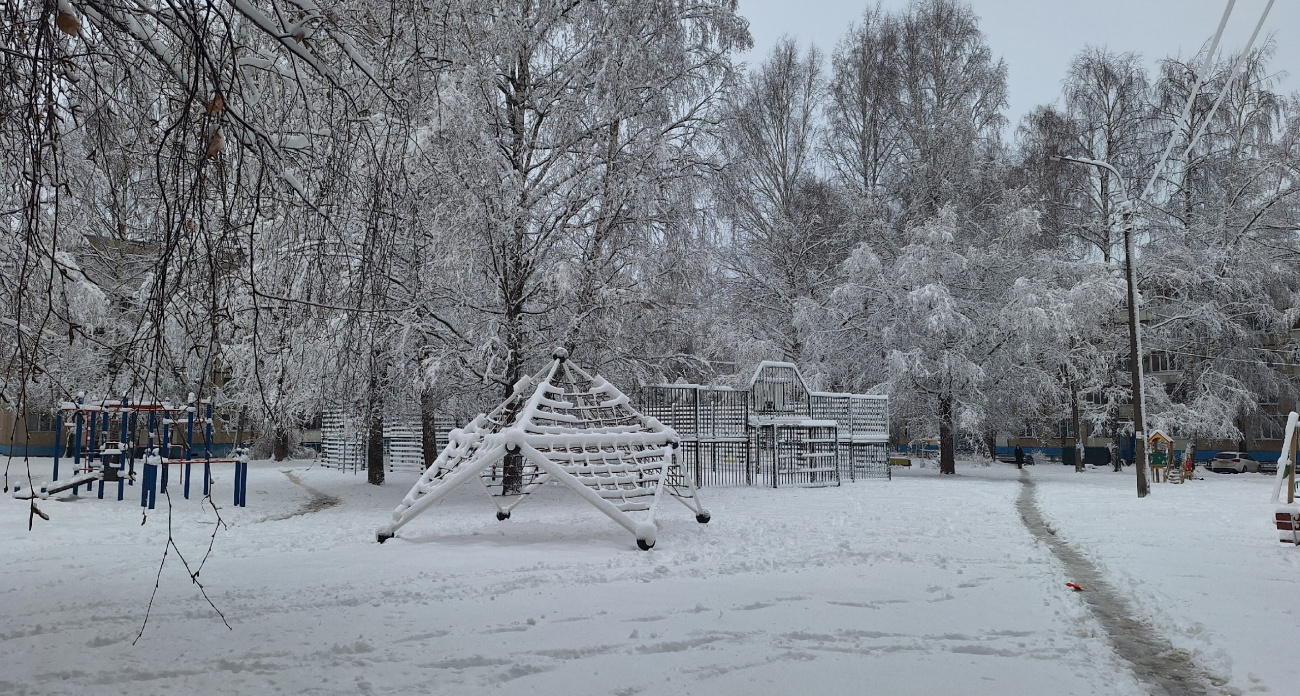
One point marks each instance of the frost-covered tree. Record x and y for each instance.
(950, 100)
(166, 150)
(785, 231)
(565, 135)
(1221, 294)
(1106, 105)
(863, 140)
(969, 318)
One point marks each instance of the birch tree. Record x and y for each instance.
(561, 128)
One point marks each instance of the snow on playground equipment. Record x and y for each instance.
(712, 423)
(775, 433)
(1164, 466)
(793, 446)
(97, 457)
(1287, 517)
(568, 426)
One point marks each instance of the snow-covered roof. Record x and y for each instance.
(1160, 435)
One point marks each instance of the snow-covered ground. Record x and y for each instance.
(920, 585)
(1200, 562)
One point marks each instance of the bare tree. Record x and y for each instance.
(558, 157)
(785, 226)
(863, 140)
(1105, 99)
(950, 101)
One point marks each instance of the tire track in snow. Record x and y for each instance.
(1156, 663)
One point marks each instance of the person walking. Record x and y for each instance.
(1020, 457)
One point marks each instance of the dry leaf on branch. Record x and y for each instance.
(216, 145)
(68, 24)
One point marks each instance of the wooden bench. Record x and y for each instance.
(1287, 519)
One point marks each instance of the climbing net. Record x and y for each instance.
(563, 425)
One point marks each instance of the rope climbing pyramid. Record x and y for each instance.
(562, 425)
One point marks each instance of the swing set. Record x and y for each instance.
(100, 457)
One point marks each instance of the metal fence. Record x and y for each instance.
(343, 441)
(720, 462)
(777, 390)
(697, 412)
(862, 432)
(865, 460)
(797, 454)
(774, 434)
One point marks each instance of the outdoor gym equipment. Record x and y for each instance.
(98, 459)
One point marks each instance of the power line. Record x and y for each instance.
(1191, 99)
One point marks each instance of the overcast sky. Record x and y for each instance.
(1037, 38)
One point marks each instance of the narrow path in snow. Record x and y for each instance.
(1155, 661)
(319, 501)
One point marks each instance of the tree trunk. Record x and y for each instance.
(514, 343)
(991, 442)
(1135, 364)
(1075, 422)
(239, 428)
(375, 448)
(1105, 215)
(375, 420)
(947, 448)
(428, 428)
(280, 447)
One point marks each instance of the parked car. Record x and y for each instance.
(1268, 467)
(1233, 462)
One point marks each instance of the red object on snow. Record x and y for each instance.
(1074, 587)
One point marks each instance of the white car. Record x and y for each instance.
(1233, 462)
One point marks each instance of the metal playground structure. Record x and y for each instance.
(567, 426)
(775, 433)
(107, 441)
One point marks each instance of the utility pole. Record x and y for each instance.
(1134, 318)
(1136, 373)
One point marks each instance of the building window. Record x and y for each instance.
(1160, 361)
(40, 422)
(1267, 428)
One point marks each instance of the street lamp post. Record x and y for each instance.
(1134, 324)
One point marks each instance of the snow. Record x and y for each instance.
(925, 584)
(1200, 561)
